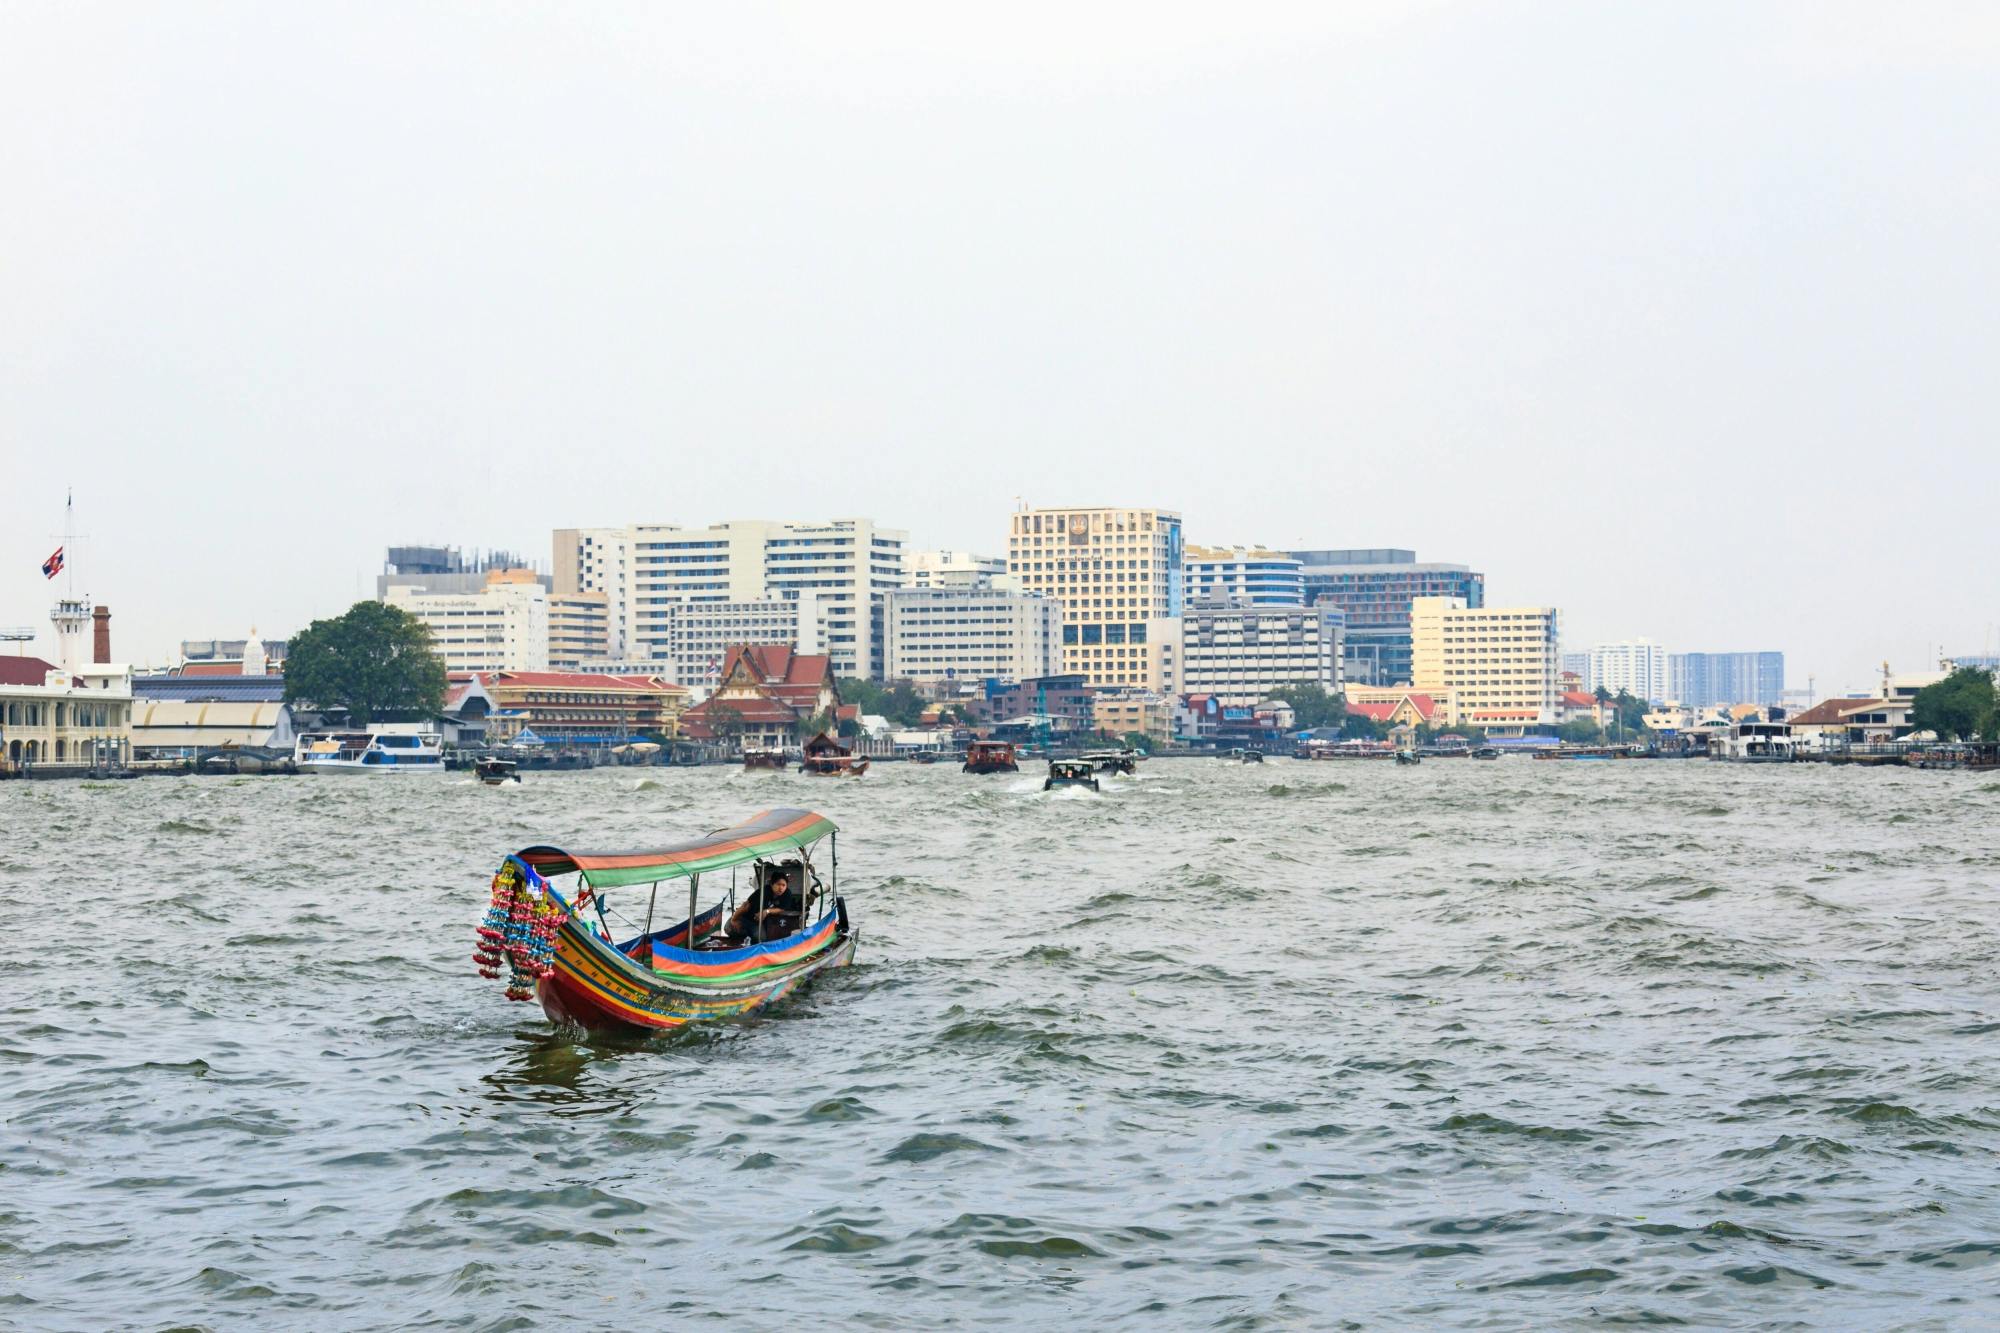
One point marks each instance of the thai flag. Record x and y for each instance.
(53, 565)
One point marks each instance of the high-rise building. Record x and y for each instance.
(1375, 587)
(1707, 680)
(579, 629)
(1636, 666)
(970, 634)
(1500, 664)
(648, 569)
(1119, 576)
(504, 626)
(952, 569)
(440, 569)
(1260, 577)
(1240, 652)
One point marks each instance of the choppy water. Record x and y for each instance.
(1471, 1045)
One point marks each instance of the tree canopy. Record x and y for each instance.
(373, 660)
(1959, 707)
(898, 701)
(1313, 706)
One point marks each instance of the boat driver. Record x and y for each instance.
(771, 913)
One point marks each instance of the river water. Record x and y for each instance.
(1464, 1045)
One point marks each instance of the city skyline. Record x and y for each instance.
(1366, 277)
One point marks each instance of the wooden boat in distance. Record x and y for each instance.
(1114, 761)
(550, 934)
(990, 757)
(772, 761)
(826, 757)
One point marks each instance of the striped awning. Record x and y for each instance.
(768, 834)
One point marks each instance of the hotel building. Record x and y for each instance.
(649, 569)
(1500, 665)
(1240, 653)
(1119, 576)
(1375, 588)
(970, 634)
(1263, 578)
(502, 627)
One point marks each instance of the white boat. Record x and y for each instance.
(369, 752)
(1755, 743)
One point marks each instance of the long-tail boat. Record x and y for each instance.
(990, 757)
(552, 937)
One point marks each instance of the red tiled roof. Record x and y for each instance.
(1374, 712)
(575, 680)
(212, 669)
(15, 670)
(1580, 699)
(1829, 712)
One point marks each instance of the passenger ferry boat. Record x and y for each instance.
(1756, 743)
(368, 752)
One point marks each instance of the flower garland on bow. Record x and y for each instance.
(520, 928)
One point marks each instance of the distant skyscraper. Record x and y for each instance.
(1375, 587)
(1706, 680)
(1636, 666)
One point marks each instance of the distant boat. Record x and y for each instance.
(1070, 773)
(493, 772)
(772, 761)
(990, 757)
(826, 757)
(368, 752)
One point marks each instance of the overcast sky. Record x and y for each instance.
(1679, 317)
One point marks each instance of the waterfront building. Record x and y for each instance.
(1060, 702)
(503, 626)
(1375, 587)
(1705, 680)
(1500, 663)
(179, 713)
(767, 697)
(1406, 709)
(1119, 576)
(1241, 652)
(1252, 574)
(847, 565)
(579, 629)
(76, 710)
(1118, 713)
(580, 708)
(1440, 706)
(1636, 666)
(964, 632)
(952, 569)
(1853, 721)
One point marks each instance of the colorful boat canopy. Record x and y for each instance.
(767, 834)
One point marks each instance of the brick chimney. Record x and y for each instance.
(101, 641)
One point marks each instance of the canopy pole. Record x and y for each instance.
(649, 914)
(694, 885)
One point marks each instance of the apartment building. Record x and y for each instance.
(1119, 575)
(971, 633)
(1636, 666)
(1240, 652)
(579, 629)
(1252, 574)
(1500, 665)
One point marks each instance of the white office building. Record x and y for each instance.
(1637, 666)
(1240, 652)
(952, 569)
(502, 627)
(846, 566)
(971, 633)
(1260, 577)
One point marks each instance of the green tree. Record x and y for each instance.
(1139, 740)
(1357, 726)
(725, 723)
(1313, 706)
(899, 701)
(814, 725)
(1959, 707)
(1580, 731)
(373, 661)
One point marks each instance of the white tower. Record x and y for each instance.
(254, 663)
(72, 621)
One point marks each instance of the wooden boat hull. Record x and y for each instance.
(596, 987)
